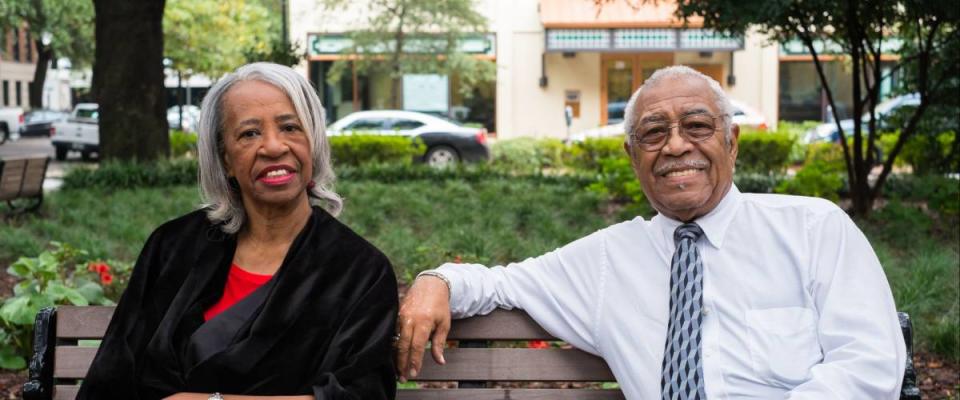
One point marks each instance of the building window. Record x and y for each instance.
(19, 95)
(6, 93)
(27, 48)
(16, 45)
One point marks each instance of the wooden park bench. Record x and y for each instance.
(22, 178)
(474, 369)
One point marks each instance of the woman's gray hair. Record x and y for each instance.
(676, 71)
(222, 201)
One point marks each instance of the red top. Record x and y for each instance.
(240, 283)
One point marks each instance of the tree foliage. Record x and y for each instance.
(928, 60)
(66, 24)
(414, 36)
(213, 37)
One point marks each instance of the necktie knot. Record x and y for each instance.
(689, 231)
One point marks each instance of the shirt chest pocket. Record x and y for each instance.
(783, 344)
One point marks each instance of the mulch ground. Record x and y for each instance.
(939, 379)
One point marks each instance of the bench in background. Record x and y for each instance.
(22, 178)
(58, 362)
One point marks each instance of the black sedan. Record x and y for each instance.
(40, 122)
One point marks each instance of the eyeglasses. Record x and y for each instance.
(652, 136)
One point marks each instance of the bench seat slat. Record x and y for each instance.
(83, 322)
(511, 364)
(513, 394)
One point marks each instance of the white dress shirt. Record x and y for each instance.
(795, 303)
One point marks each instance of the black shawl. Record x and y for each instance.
(320, 326)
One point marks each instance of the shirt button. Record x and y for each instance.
(705, 312)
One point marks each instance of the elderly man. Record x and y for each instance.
(723, 295)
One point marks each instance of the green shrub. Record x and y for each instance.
(362, 149)
(183, 143)
(526, 155)
(764, 152)
(817, 179)
(748, 182)
(133, 174)
(63, 275)
(829, 156)
(617, 180)
(941, 193)
(587, 155)
(930, 154)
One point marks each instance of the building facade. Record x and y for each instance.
(17, 63)
(554, 55)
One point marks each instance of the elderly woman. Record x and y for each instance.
(261, 292)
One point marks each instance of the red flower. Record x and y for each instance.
(99, 268)
(106, 278)
(538, 344)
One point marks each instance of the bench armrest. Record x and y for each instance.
(39, 385)
(909, 390)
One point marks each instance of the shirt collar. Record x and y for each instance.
(714, 223)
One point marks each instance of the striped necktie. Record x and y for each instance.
(682, 377)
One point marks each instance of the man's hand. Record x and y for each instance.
(425, 311)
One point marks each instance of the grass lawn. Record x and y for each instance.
(420, 224)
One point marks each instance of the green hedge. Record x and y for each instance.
(363, 149)
(589, 154)
(528, 154)
(133, 174)
(762, 152)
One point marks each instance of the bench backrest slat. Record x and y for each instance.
(512, 364)
(33, 177)
(72, 362)
(11, 178)
(498, 325)
(83, 322)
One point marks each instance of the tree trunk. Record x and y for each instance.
(44, 54)
(128, 79)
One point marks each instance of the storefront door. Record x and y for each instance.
(622, 74)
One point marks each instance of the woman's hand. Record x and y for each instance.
(425, 310)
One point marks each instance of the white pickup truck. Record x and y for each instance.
(10, 120)
(80, 132)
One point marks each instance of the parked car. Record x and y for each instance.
(743, 115)
(191, 117)
(10, 120)
(80, 132)
(39, 122)
(827, 132)
(446, 142)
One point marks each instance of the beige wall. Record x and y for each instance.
(14, 72)
(757, 68)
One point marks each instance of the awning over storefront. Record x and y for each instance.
(573, 14)
(579, 25)
(332, 45)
